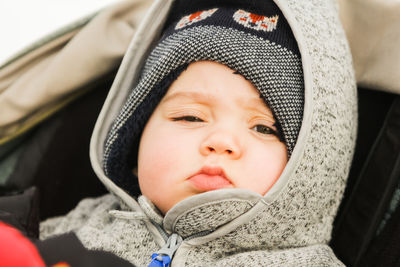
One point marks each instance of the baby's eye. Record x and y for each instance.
(188, 118)
(263, 129)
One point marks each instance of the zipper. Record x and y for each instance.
(163, 234)
(199, 234)
(163, 257)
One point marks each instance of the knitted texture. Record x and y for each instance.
(312, 256)
(264, 52)
(78, 217)
(99, 230)
(210, 216)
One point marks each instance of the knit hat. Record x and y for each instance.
(260, 46)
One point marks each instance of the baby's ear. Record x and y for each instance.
(135, 171)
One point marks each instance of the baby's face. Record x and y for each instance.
(210, 131)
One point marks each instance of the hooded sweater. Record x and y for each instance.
(291, 224)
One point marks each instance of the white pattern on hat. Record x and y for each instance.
(194, 17)
(256, 22)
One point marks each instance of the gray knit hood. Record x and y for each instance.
(292, 223)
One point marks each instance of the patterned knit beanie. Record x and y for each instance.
(260, 46)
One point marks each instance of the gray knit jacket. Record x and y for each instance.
(291, 224)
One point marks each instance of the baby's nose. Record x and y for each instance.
(221, 143)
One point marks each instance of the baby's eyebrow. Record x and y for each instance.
(255, 104)
(192, 95)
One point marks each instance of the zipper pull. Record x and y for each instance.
(163, 257)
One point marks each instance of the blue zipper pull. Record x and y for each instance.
(159, 261)
(163, 257)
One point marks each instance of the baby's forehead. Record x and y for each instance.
(213, 83)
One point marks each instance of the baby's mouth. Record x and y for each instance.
(210, 178)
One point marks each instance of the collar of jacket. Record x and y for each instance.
(202, 213)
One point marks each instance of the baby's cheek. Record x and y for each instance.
(159, 157)
(267, 166)
(161, 170)
(154, 170)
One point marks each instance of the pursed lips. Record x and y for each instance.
(210, 178)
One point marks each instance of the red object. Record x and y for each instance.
(195, 15)
(255, 18)
(16, 250)
(61, 264)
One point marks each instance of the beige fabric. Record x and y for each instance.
(373, 30)
(38, 83)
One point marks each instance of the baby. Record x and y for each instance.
(224, 152)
